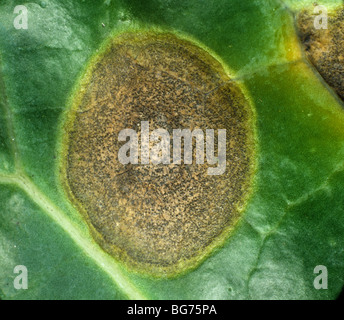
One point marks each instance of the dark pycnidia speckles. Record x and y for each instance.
(157, 218)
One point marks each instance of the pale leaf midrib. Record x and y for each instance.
(103, 260)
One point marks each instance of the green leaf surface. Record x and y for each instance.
(294, 220)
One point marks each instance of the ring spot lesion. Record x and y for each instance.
(157, 219)
(325, 47)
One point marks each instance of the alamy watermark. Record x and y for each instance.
(21, 280)
(21, 20)
(160, 152)
(321, 281)
(321, 20)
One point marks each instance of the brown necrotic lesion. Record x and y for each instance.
(325, 47)
(157, 218)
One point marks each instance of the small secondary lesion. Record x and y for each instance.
(325, 47)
